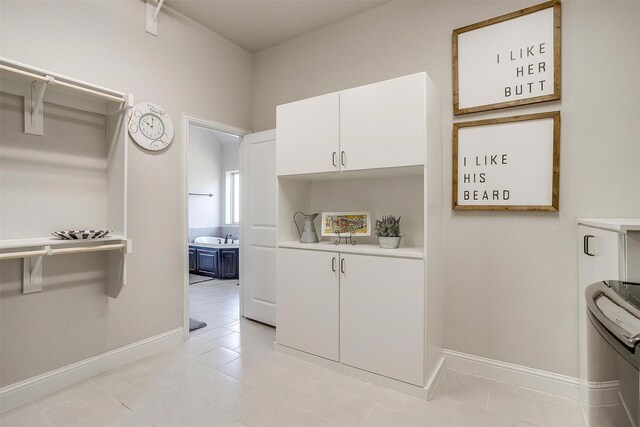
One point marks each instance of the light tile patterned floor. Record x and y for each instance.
(228, 375)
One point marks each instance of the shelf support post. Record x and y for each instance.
(152, 17)
(32, 273)
(33, 106)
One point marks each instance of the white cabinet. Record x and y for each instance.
(382, 319)
(308, 301)
(600, 255)
(308, 133)
(382, 316)
(361, 310)
(383, 124)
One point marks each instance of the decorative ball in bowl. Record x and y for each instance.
(80, 234)
(388, 231)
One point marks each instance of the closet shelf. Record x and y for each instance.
(54, 242)
(359, 249)
(17, 70)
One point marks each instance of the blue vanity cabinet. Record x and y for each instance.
(193, 261)
(219, 263)
(207, 262)
(228, 263)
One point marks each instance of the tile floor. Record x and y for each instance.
(228, 375)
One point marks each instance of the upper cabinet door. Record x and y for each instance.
(383, 124)
(308, 133)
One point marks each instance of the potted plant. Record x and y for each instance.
(388, 231)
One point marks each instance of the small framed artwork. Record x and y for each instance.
(511, 163)
(510, 60)
(346, 223)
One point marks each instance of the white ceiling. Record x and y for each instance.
(258, 24)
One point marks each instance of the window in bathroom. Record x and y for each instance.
(232, 215)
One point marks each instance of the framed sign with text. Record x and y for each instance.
(510, 60)
(511, 163)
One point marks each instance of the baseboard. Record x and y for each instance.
(602, 393)
(25, 391)
(523, 376)
(433, 381)
(410, 389)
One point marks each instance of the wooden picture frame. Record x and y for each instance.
(495, 59)
(330, 217)
(506, 157)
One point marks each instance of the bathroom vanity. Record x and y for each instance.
(213, 260)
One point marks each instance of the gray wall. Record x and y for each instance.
(185, 69)
(204, 176)
(51, 182)
(511, 290)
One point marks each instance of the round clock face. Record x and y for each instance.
(150, 126)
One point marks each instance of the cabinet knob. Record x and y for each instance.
(585, 244)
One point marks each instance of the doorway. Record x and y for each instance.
(211, 215)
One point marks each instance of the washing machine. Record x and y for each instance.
(613, 343)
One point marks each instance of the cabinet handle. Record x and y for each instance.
(335, 159)
(585, 245)
(343, 157)
(342, 266)
(333, 264)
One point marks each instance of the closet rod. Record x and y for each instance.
(201, 194)
(47, 251)
(57, 81)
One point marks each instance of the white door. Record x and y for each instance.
(308, 135)
(258, 226)
(384, 124)
(382, 316)
(308, 301)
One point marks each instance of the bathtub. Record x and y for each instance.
(215, 242)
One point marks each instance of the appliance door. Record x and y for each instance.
(613, 366)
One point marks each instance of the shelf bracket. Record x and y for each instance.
(152, 17)
(33, 106)
(32, 273)
(128, 104)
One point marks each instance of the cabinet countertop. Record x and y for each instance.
(618, 225)
(360, 249)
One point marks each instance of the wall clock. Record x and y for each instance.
(150, 126)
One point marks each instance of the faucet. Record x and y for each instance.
(226, 238)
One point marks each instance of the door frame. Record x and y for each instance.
(187, 121)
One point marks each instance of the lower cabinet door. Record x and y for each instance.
(208, 262)
(193, 263)
(382, 316)
(308, 307)
(228, 264)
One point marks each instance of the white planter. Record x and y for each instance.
(389, 242)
